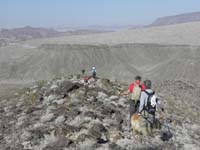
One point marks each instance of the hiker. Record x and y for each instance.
(149, 102)
(134, 91)
(83, 72)
(94, 72)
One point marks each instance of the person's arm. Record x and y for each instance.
(159, 105)
(143, 87)
(129, 90)
(124, 93)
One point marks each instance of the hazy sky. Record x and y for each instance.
(51, 13)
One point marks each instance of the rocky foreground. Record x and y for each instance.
(67, 113)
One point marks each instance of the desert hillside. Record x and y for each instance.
(121, 62)
(179, 34)
(160, 53)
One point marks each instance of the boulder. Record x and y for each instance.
(114, 135)
(54, 86)
(59, 102)
(102, 95)
(47, 117)
(113, 97)
(60, 119)
(97, 130)
(104, 84)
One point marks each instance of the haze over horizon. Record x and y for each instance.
(89, 12)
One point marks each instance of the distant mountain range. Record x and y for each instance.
(99, 28)
(27, 33)
(167, 20)
(177, 19)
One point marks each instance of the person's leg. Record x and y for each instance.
(131, 110)
(154, 123)
(137, 105)
(149, 121)
(94, 74)
(151, 118)
(132, 107)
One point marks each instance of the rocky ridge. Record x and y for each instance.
(177, 19)
(67, 113)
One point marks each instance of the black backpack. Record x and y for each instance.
(151, 103)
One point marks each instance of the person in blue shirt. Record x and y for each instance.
(94, 72)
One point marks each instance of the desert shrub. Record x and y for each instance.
(41, 83)
(30, 99)
(23, 91)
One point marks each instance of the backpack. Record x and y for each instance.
(151, 103)
(135, 95)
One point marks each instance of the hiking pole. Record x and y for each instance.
(167, 126)
(164, 124)
(146, 119)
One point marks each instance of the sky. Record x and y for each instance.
(63, 13)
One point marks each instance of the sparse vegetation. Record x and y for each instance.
(30, 98)
(41, 83)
